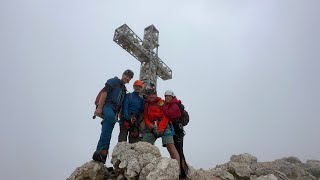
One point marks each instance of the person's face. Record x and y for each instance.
(168, 98)
(126, 79)
(152, 97)
(137, 88)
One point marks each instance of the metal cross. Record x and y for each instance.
(145, 51)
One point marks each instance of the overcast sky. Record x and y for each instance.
(247, 72)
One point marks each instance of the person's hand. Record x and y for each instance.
(150, 126)
(160, 133)
(134, 134)
(133, 120)
(126, 124)
(157, 133)
(98, 112)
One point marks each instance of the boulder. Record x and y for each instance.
(266, 177)
(313, 167)
(143, 160)
(292, 159)
(91, 170)
(243, 158)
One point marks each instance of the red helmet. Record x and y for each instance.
(138, 83)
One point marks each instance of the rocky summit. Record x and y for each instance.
(143, 161)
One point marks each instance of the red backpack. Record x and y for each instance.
(96, 102)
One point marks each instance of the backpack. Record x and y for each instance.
(184, 115)
(96, 102)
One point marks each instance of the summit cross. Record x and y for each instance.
(146, 52)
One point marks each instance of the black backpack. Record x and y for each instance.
(184, 115)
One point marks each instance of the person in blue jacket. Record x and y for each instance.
(108, 108)
(133, 107)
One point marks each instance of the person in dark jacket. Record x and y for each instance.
(172, 111)
(132, 110)
(109, 106)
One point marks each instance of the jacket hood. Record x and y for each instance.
(175, 101)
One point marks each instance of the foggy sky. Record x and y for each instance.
(247, 72)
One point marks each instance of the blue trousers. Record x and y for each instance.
(107, 127)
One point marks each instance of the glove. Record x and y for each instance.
(134, 134)
(126, 124)
(133, 120)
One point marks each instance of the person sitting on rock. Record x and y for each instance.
(156, 124)
(133, 107)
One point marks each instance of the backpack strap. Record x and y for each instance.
(160, 104)
(181, 106)
(130, 100)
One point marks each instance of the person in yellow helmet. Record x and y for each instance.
(133, 107)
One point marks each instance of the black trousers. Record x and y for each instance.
(178, 143)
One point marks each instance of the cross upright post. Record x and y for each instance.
(146, 52)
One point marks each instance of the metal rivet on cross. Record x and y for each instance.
(145, 51)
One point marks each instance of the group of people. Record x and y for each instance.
(141, 118)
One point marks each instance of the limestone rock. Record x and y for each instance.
(240, 169)
(91, 170)
(143, 160)
(313, 167)
(160, 169)
(266, 177)
(292, 159)
(201, 174)
(283, 170)
(243, 158)
(222, 172)
(261, 171)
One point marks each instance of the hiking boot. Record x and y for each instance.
(100, 155)
(182, 177)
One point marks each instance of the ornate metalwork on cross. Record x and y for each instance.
(146, 52)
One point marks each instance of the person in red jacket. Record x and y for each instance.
(156, 124)
(172, 111)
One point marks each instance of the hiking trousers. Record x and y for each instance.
(178, 143)
(107, 127)
(149, 137)
(124, 133)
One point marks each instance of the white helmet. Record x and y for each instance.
(169, 93)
